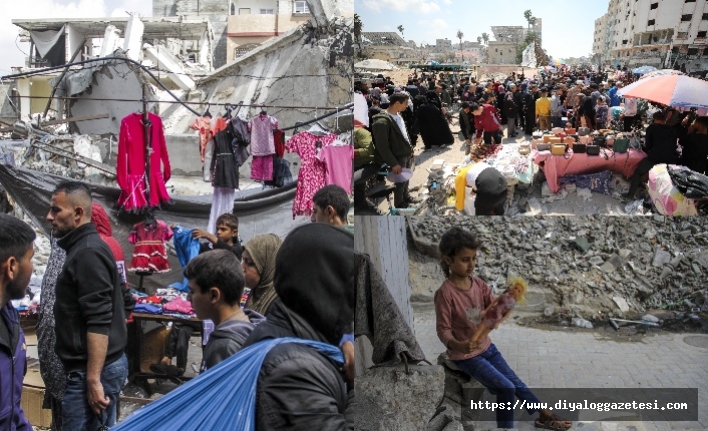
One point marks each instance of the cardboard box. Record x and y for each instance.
(32, 398)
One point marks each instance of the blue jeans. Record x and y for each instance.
(76, 412)
(492, 371)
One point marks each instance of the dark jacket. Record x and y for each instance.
(695, 152)
(88, 299)
(510, 106)
(432, 125)
(236, 249)
(530, 105)
(660, 143)
(228, 338)
(519, 101)
(391, 145)
(12, 372)
(299, 388)
(466, 124)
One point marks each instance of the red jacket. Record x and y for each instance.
(130, 166)
(489, 121)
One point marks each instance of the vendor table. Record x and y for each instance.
(559, 166)
(137, 337)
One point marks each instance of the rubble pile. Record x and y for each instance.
(591, 266)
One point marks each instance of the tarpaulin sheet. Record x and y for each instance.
(259, 212)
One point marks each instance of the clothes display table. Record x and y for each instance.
(572, 164)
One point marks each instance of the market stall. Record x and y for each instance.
(555, 167)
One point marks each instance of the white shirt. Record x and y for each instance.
(401, 125)
(474, 172)
(630, 107)
(361, 109)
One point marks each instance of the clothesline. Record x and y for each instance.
(235, 105)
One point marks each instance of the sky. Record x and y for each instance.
(568, 25)
(11, 55)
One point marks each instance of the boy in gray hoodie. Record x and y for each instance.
(216, 284)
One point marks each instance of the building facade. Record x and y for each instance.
(389, 46)
(660, 33)
(501, 52)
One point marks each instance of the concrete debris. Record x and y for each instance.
(581, 323)
(650, 318)
(586, 261)
(396, 401)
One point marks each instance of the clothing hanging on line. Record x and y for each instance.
(282, 176)
(311, 177)
(242, 139)
(150, 254)
(203, 126)
(223, 164)
(130, 165)
(187, 248)
(222, 201)
(262, 146)
(262, 168)
(338, 159)
(279, 139)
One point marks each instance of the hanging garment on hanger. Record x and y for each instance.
(203, 126)
(222, 201)
(262, 168)
(130, 165)
(208, 158)
(282, 176)
(279, 138)
(150, 254)
(338, 160)
(223, 165)
(241, 132)
(312, 171)
(262, 142)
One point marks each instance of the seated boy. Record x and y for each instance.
(226, 237)
(216, 283)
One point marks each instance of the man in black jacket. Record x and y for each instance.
(89, 305)
(393, 145)
(511, 108)
(660, 146)
(467, 127)
(300, 389)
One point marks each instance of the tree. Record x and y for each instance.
(358, 26)
(528, 15)
(479, 39)
(400, 28)
(460, 35)
(485, 38)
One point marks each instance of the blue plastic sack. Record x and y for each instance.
(223, 398)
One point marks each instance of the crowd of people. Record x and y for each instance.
(580, 96)
(302, 287)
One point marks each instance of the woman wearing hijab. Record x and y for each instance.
(432, 125)
(259, 270)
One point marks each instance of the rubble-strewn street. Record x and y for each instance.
(588, 267)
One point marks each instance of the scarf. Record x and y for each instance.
(263, 249)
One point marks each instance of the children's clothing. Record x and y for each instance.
(150, 254)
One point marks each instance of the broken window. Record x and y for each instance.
(686, 17)
(624, 42)
(650, 22)
(692, 51)
(300, 7)
(654, 6)
(701, 34)
(705, 17)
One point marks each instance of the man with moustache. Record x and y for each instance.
(16, 251)
(89, 304)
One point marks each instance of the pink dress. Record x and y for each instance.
(150, 254)
(312, 171)
(130, 164)
(338, 160)
(203, 126)
(262, 146)
(496, 313)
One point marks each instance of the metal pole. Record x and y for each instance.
(148, 147)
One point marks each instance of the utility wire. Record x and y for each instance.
(230, 105)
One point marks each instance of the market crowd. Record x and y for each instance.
(301, 287)
(582, 97)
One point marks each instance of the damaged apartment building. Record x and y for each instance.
(202, 53)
